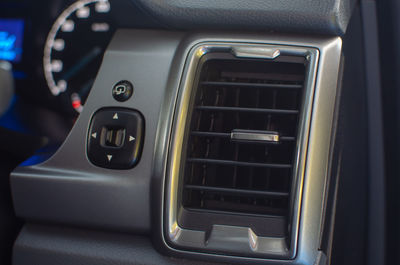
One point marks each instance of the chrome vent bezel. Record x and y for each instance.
(220, 239)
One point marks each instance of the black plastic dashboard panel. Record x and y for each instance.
(45, 245)
(69, 190)
(324, 17)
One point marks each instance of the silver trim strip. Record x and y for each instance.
(254, 136)
(256, 52)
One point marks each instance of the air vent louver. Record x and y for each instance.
(251, 95)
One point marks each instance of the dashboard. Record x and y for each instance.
(194, 132)
(56, 49)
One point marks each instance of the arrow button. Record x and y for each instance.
(115, 138)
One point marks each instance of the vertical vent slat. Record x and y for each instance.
(243, 177)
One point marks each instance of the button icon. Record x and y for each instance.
(115, 117)
(122, 91)
(131, 138)
(94, 135)
(109, 157)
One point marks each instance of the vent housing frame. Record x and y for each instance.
(242, 137)
(220, 239)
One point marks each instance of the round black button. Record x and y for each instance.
(122, 91)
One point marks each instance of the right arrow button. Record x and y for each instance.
(131, 138)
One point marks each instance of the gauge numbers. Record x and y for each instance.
(74, 49)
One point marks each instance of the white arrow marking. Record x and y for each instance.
(115, 116)
(109, 157)
(131, 138)
(94, 135)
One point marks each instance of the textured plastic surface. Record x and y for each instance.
(325, 17)
(376, 170)
(41, 245)
(68, 189)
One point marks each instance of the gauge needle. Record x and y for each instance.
(84, 91)
(85, 60)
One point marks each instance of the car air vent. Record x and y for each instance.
(242, 136)
(238, 149)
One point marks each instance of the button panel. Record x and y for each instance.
(115, 138)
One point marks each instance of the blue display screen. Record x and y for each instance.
(11, 39)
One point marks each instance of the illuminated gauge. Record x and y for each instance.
(74, 49)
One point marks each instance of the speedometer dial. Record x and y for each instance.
(74, 49)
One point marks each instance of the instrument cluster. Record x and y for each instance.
(56, 47)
